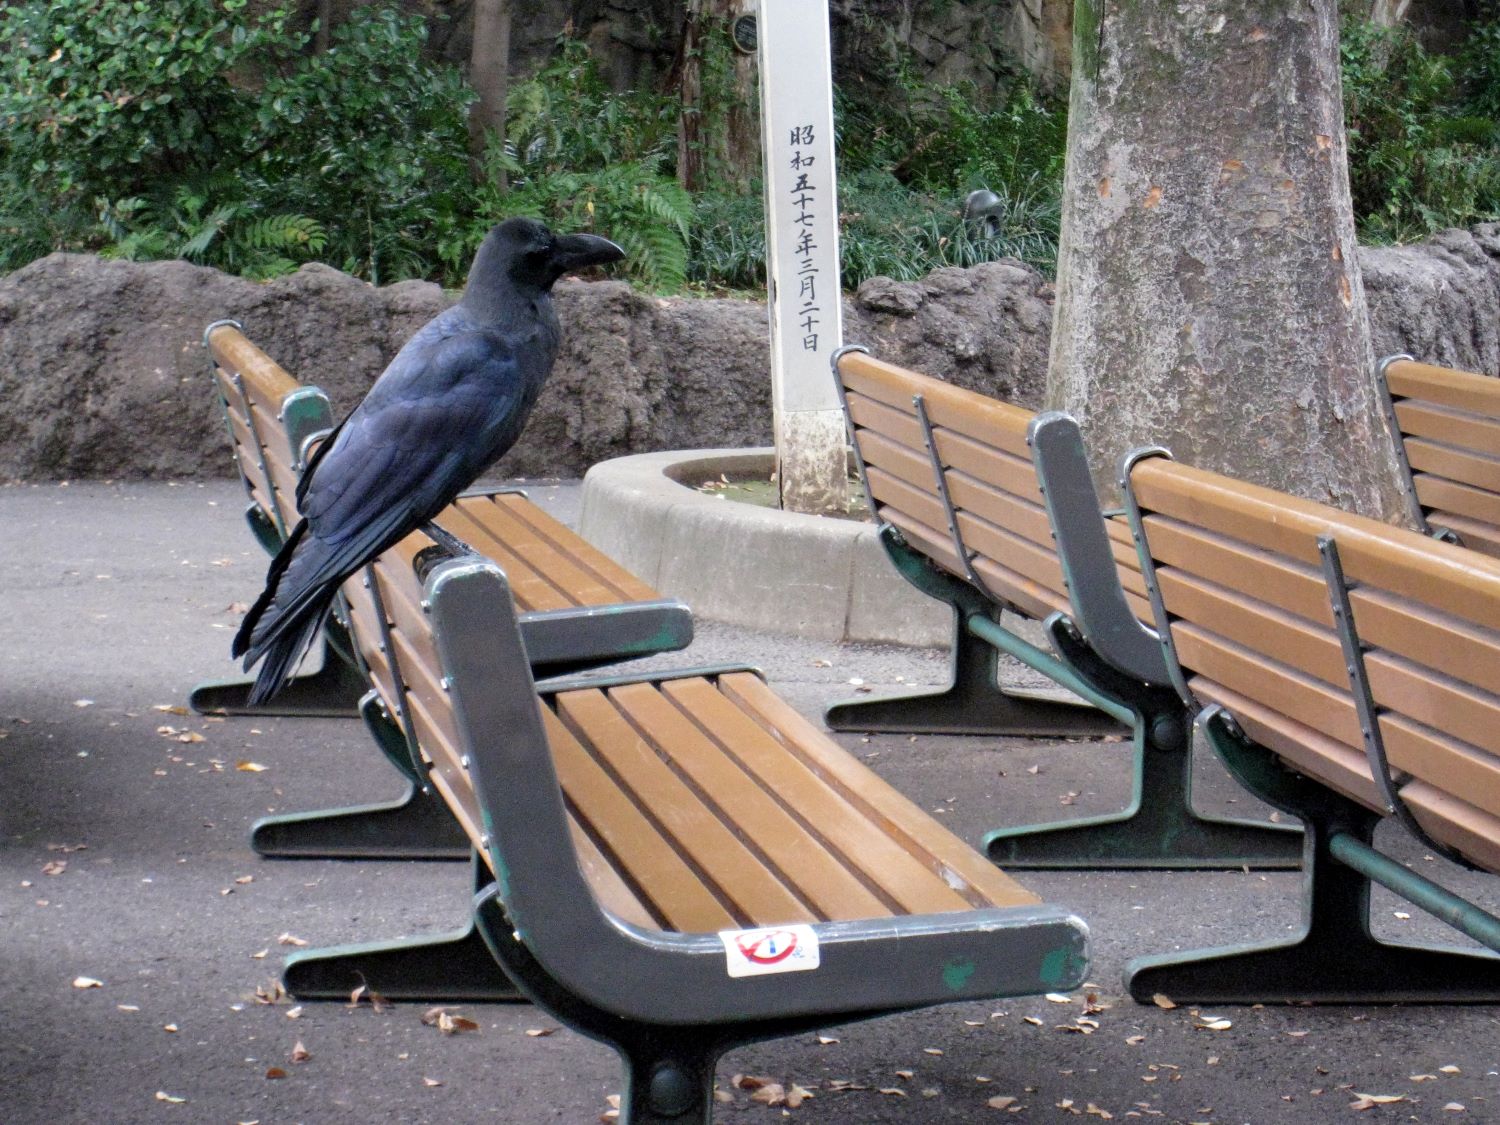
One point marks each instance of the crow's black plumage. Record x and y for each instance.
(452, 401)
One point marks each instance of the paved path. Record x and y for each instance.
(118, 598)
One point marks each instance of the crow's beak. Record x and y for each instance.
(578, 251)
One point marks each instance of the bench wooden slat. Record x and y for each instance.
(626, 586)
(1448, 425)
(1309, 701)
(863, 847)
(694, 826)
(1342, 768)
(1460, 465)
(787, 843)
(1465, 390)
(1439, 575)
(1453, 496)
(633, 845)
(1456, 823)
(945, 854)
(1465, 712)
(1262, 627)
(987, 420)
(262, 374)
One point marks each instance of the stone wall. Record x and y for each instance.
(102, 373)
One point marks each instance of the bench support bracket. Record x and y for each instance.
(1336, 959)
(332, 692)
(449, 967)
(973, 702)
(416, 825)
(1159, 828)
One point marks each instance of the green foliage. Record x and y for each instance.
(1421, 155)
(581, 157)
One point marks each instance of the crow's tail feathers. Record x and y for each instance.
(286, 650)
(288, 615)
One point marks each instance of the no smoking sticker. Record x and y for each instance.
(773, 949)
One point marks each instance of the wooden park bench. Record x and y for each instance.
(1346, 671)
(657, 855)
(579, 608)
(1448, 426)
(977, 499)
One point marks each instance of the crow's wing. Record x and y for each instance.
(421, 436)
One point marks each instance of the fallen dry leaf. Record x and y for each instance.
(245, 765)
(290, 939)
(446, 1022)
(1059, 998)
(1449, 1069)
(540, 1032)
(300, 1053)
(1455, 1107)
(772, 1093)
(430, 1081)
(275, 1072)
(87, 982)
(825, 1040)
(932, 1050)
(1135, 1040)
(1163, 1001)
(1002, 1101)
(1214, 1023)
(170, 708)
(1370, 1101)
(163, 1096)
(54, 867)
(891, 1091)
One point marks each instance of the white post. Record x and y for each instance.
(802, 246)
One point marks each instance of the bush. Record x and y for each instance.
(1420, 158)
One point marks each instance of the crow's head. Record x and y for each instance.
(530, 256)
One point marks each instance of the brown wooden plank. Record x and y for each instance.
(701, 831)
(1478, 470)
(863, 847)
(1434, 757)
(1308, 701)
(945, 854)
(1255, 625)
(1465, 390)
(230, 348)
(1291, 586)
(1453, 496)
(1439, 641)
(626, 586)
(983, 418)
(794, 850)
(1445, 424)
(1454, 579)
(1456, 823)
(630, 841)
(532, 589)
(1436, 700)
(1340, 767)
(610, 889)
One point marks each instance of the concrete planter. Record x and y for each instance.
(811, 576)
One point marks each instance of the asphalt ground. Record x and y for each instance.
(124, 860)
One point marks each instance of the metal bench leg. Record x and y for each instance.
(456, 966)
(1336, 959)
(1159, 828)
(973, 703)
(332, 692)
(415, 826)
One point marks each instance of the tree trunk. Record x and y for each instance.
(489, 74)
(718, 142)
(1208, 295)
(325, 26)
(1388, 13)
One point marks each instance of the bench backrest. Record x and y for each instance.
(1449, 424)
(270, 416)
(964, 478)
(1245, 609)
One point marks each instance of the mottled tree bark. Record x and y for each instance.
(489, 74)
(718, 138)
(1208, 296)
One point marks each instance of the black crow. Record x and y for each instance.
(452, 401)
